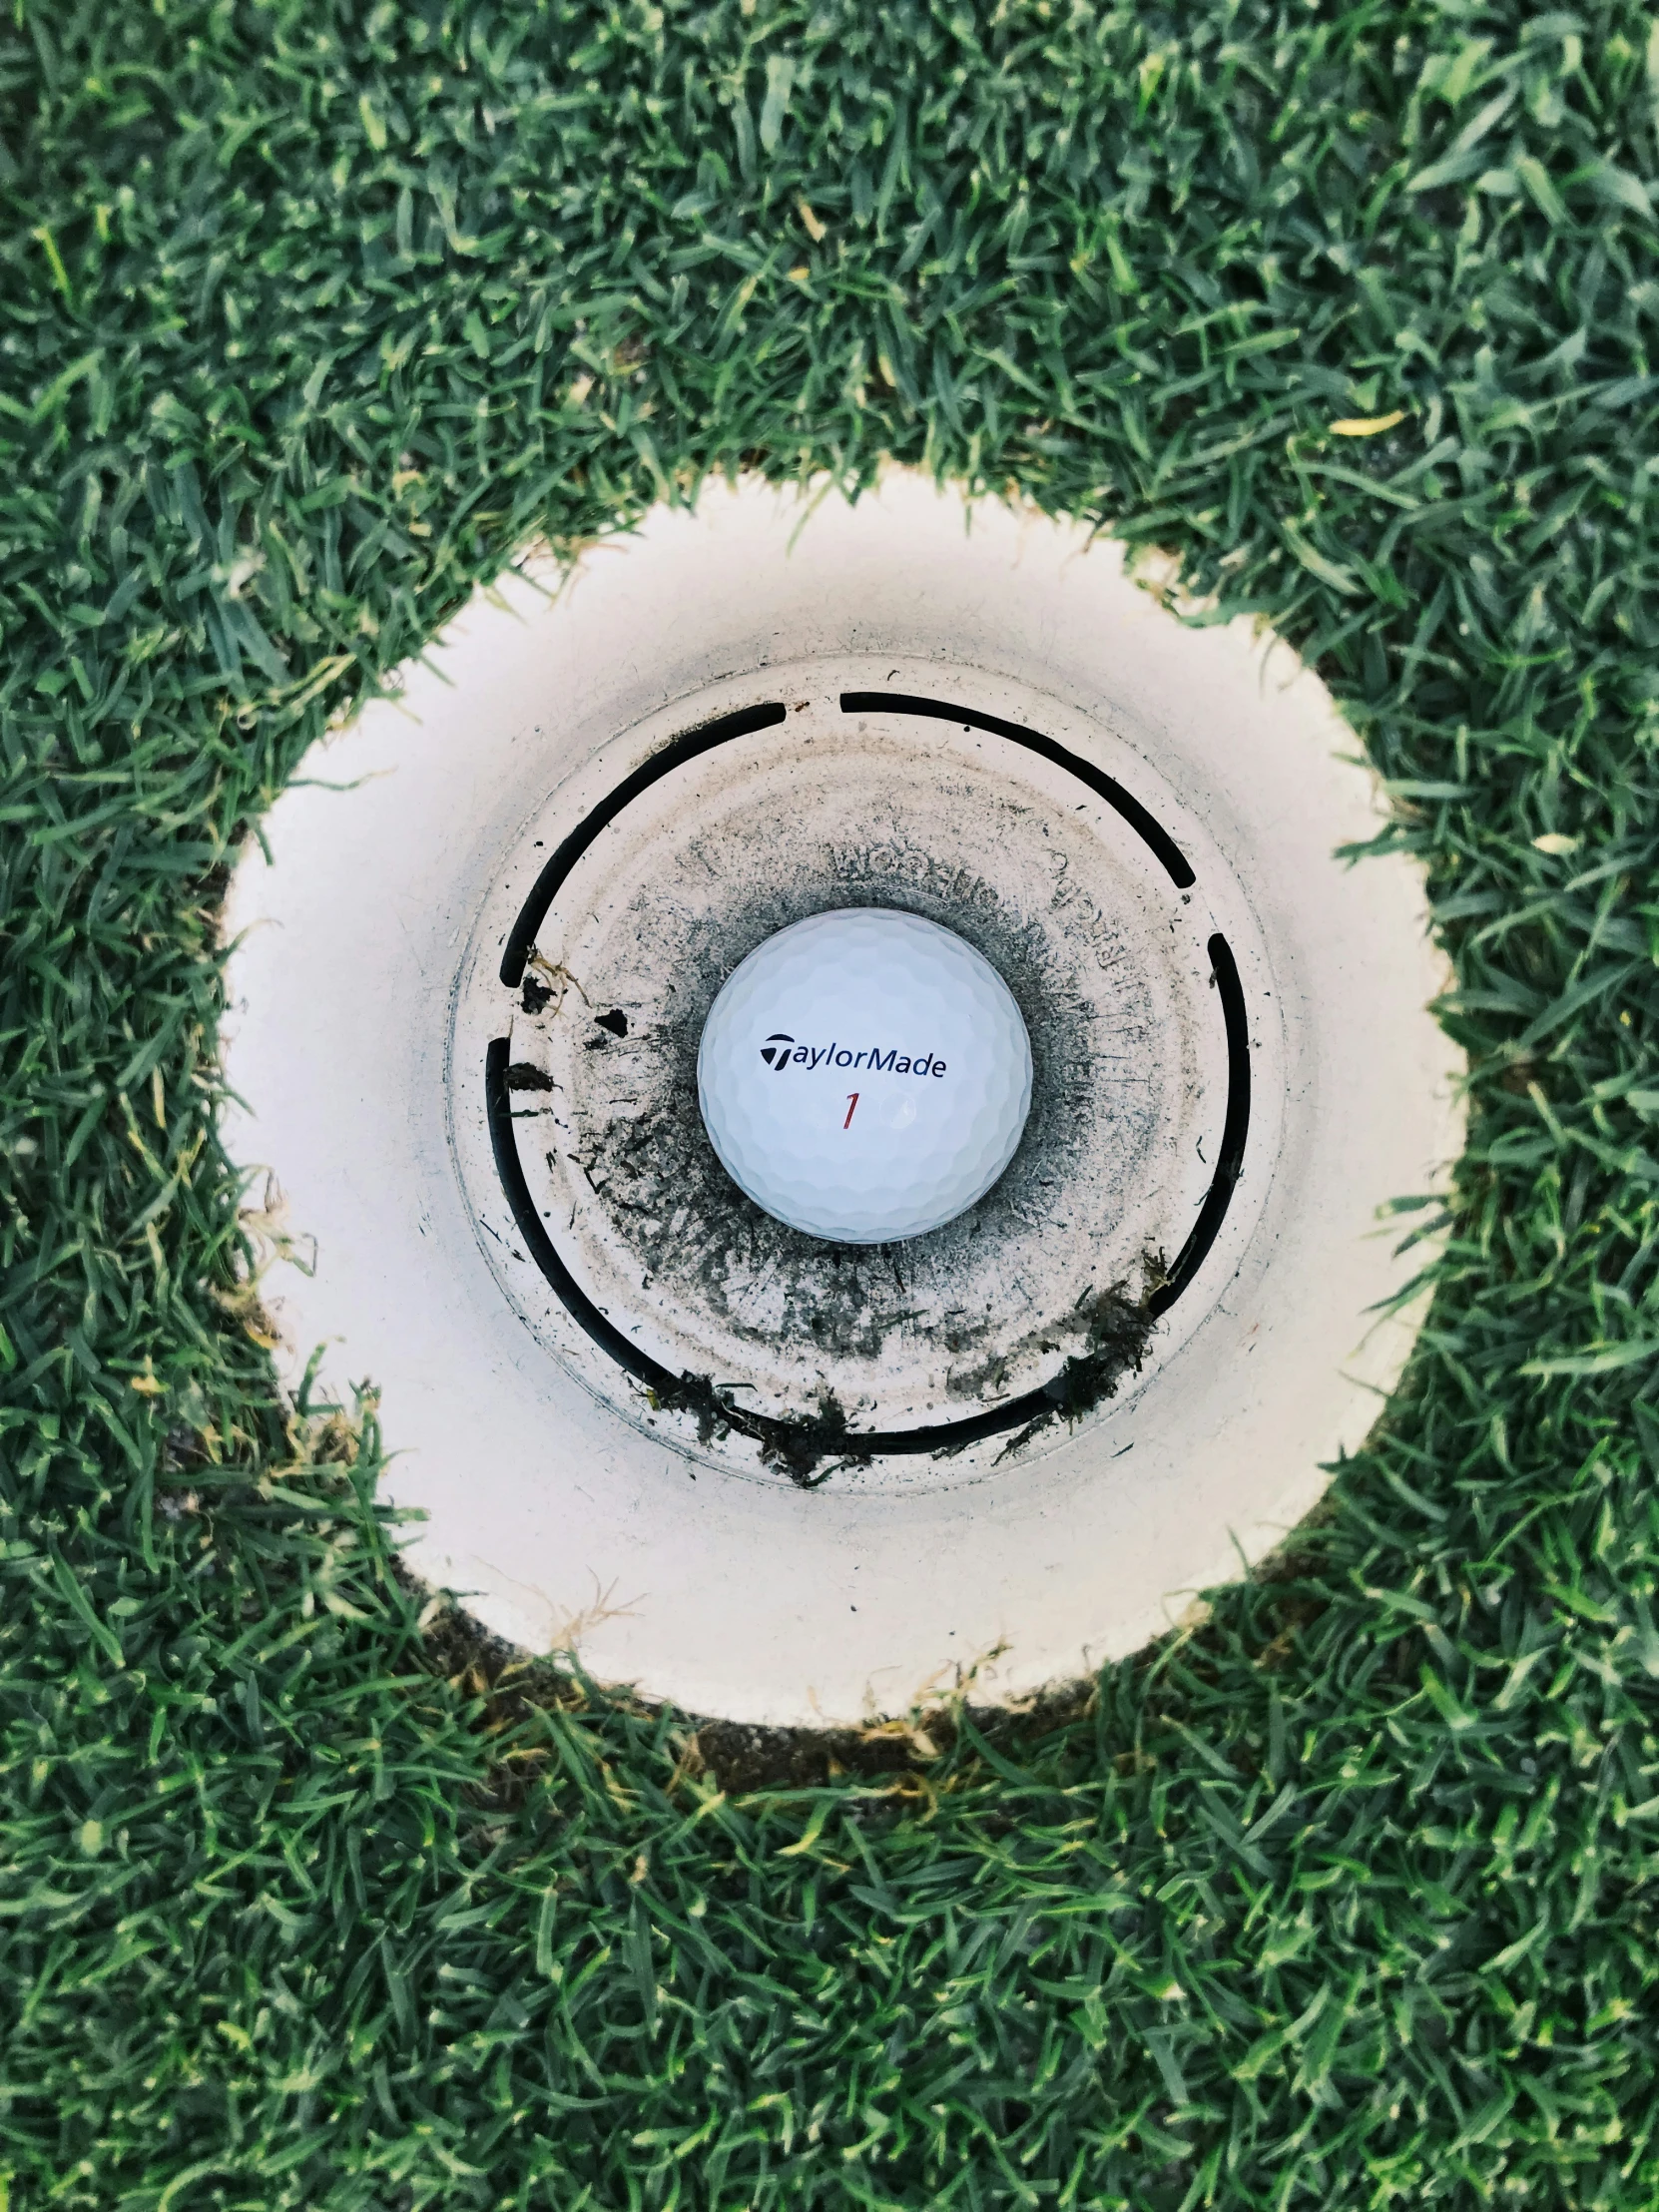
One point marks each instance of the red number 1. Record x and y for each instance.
(852, 1102)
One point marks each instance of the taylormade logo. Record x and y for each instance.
(780, 1053)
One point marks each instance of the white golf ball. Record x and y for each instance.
(865, 1075)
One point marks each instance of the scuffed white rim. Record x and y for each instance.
(554, 1520)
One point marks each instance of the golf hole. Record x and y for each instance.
(785, 1476)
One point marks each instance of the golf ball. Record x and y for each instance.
(865, 1075)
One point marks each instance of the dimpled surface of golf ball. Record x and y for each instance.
(865, 1075)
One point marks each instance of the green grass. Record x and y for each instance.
(310, 313)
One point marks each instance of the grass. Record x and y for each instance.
(310, 312)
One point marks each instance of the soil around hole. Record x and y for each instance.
(796, 1445)
(904, 1751)
(740, 1758)
(523, 1076)
(1120, 1329)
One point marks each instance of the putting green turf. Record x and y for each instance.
(309, 316)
